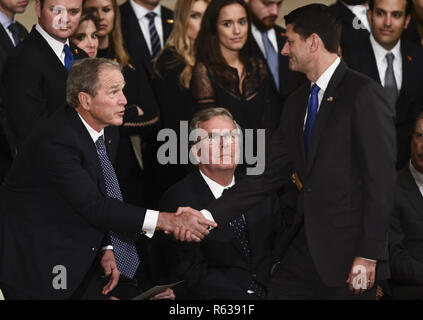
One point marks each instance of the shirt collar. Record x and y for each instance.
(140, 11)
(93, 133)
(5, 21)
(324, 79)
(380, 52)
(216, 188)
(56, 45)
(418, 177)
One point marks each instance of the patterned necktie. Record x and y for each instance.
(313, 104)
(390, 81)
(13, 28)
(239, 228)
(68, 57)
(272, 58)
(154, 36)
(126, 254)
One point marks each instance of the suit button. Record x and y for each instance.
(93, 249)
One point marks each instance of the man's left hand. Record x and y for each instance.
(364, 269)
(108, 263)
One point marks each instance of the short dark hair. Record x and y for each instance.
(319, 19)
(419, 117)
(408, 6)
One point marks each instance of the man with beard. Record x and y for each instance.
(355, 25)
(269, 40)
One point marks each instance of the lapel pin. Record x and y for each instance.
(169, 21)
(76, 51)
(110, 141)
(330, 99)
(283, 34)
(409, 58)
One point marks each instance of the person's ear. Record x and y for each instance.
(84, 100)
(407, 21)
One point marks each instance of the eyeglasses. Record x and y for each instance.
(217, 139)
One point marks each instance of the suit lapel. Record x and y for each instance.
(408, 70)
(328, 102)
(368, 61)
(89, 148)
(411, 191)
(5, 41)
(299, 123)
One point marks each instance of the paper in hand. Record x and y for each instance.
(155, 290)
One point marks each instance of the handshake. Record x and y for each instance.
(186, 224)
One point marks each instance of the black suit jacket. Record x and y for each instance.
(216, 268)
(6, 48)
(133, 37)
(348, 179)
(34, 83)
(350, 37)
(410, 100)
(406, 239)
(288, 80)
(54, 208)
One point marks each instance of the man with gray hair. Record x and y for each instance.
(61, 199)
(235, 261)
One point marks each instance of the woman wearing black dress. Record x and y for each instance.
(173, 70)
(226, 73)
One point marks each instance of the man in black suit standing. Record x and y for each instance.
(396, 64)
(61, 202)
(235, 261)
(11, 34)
(269, 40)
(34, 79)
(337, 133)
(355, 24)
(146, 25)
(406, 230)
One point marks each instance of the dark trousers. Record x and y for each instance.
(296, 277)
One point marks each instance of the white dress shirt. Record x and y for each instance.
(418, 177)
(54, 44)
(271, 34)
(380, 55)
(323, 82)
(140, 13)
(6, 22)
(360, 12)
(151, 216)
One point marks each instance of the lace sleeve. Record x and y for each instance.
(201, 87)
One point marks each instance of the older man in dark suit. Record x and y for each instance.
(235, 261)
(406, 230)
(337, 131)
(34, 79)
(11, 34)
(395, 63)
(61, 203)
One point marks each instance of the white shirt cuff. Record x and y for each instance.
(206, 214)
(106, 248)
(150, 222)
(369, 259)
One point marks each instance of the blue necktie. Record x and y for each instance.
(313, 104)
(154, 36)
(125, 253)
(272, 58)
(13, 28)
(68, 57)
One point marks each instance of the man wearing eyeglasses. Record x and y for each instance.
(235, 262)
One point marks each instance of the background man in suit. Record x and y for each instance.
(395, 64)
(146, 25)
(268, 42)
(355, 25)
(11, 34)
(406, 230)
(235, 261)
(61, 198)
(344, 161)
(34, 79)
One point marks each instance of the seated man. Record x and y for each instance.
(235, 261)
(406, 230)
